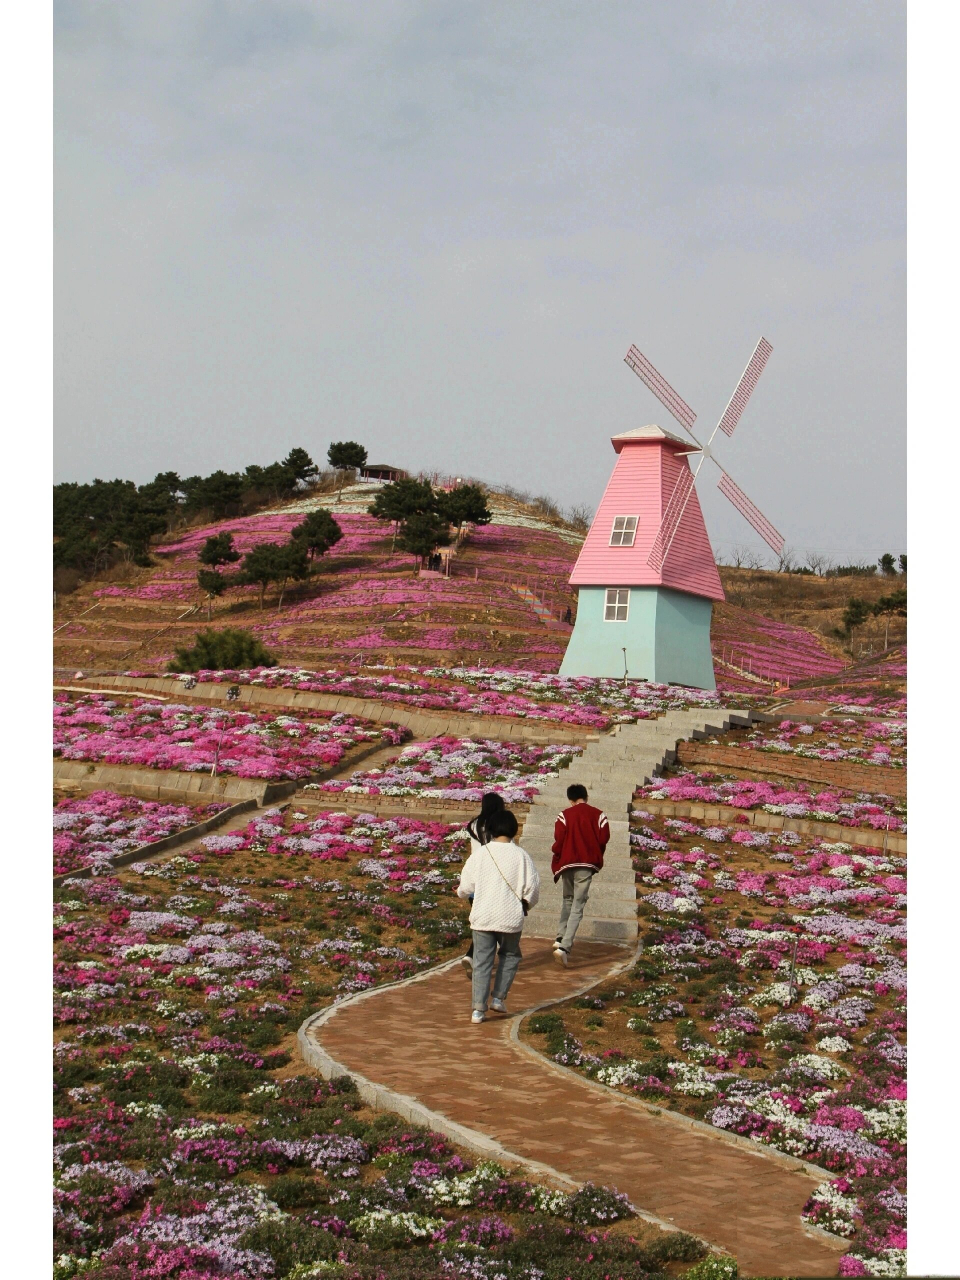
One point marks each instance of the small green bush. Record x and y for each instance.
(713, 1267)
(545, 1024)
(592, 1205)
(676, 1246)
(228, 650)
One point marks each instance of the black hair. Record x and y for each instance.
(577, 791)
(490, 804)
(503, 824)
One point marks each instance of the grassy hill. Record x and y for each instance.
(367, 604)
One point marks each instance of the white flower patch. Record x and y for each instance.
(411, 1226)
(692, 1080)
(889, 1120)
(834, 1044)
(825, 1068)
(618, 1073)
(777, 993)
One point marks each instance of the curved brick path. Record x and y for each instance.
(418, 1040)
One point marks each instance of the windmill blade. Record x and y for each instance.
(661, 388)
(746, 508)
(744, 389)
(673, 512)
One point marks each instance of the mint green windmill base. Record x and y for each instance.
(666, 636)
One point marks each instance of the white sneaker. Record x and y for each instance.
(477, 1017)
(498, 1006)
(556, 943)
(561, 956)
(467, 962)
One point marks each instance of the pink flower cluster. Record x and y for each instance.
(192, 739)
(791, 802)
(775, 650)
(460, 769)
(879, 742)
(92, 831)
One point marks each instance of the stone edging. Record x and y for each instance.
(850, 775)
(896, 840)
(383, 1099)
(265, 792)
(792, 1163)
(172, 841)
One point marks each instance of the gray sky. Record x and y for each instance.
(436, 228)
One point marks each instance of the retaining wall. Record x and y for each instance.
(832, 773)
(167, 784)
(893, 841)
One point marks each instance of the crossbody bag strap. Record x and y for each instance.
(502, 876)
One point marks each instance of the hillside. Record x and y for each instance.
(364, 599)
(501, 606)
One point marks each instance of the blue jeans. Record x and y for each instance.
(485, 947)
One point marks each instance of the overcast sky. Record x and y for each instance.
(436, 228)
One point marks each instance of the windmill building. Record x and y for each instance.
(647, 576)
(660, 616)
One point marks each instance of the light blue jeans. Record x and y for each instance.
(485, 947)
(576, 890)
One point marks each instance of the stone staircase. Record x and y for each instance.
(611, 769)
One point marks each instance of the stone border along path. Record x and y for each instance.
(414, 1051)
(611, 769)
(423, 723)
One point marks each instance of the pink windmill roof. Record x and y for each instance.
(649, 462)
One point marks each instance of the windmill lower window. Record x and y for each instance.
(617, 605)
(624, 531)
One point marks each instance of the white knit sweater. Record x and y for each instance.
(496, 896)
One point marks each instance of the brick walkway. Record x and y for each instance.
(418, 1040)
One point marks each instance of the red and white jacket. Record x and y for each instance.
(580, 836)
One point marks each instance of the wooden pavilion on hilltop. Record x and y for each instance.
(381, 471)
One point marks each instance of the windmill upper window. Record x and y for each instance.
(617, 605)
(624, 531)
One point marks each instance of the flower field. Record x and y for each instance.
(879, 813)
(191, 738)
(187, 1143)
(93, 830)
(459, 769)
(880, 742)
(874, 685)
(769, 1001)
(777, 651)
(594, 703)
(363, 598)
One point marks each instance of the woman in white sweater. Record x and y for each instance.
(503, 882)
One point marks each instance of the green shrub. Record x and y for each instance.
(713, 1267)
(675, 1246)
(289, 1241)
(592, 1205)
(293, 1192)
(228, 650)
(545, 1024)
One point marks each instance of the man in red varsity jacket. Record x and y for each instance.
(580, 836)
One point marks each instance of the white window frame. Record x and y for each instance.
(624, 531)
(616, 605)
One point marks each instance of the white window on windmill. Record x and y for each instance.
(618, 604)
(624, 531)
